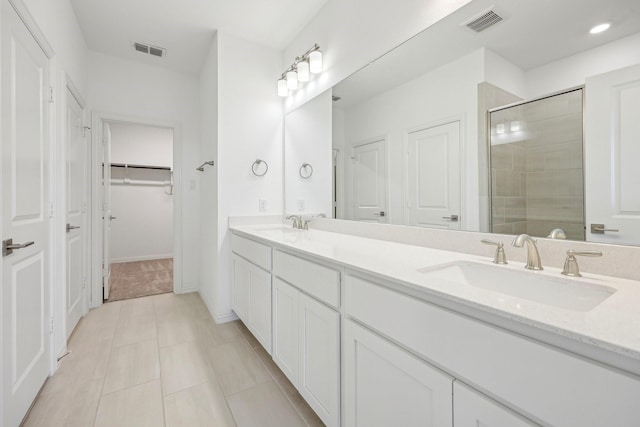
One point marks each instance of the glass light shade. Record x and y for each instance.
(303, 71)
(292, 80)
(315, 61)
(500, 128)
(283, 90)
(515, 126)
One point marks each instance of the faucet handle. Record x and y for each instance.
(571, 263)
(499, 257)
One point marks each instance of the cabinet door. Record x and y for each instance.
(260, 305)
(386, 386)
(285, 329)
(240, 296)
(472, 409)
(319, 370)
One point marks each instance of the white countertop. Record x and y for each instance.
(613, 325)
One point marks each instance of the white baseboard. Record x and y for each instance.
(227, 317)
(141, 258)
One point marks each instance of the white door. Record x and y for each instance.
(386, 386)
(612, 153)
(473, 409)
(240, 293)
(433, 177)
(106, 209)
(285, 329)
(370, 182)
(260, 305)
(25, 217)
(319, 364)
(76, 150)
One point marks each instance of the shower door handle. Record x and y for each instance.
(452, 218)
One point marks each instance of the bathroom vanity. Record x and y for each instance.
(377, 333)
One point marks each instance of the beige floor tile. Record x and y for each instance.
(74, 406)
(202, 405)
(183, 366)
(253, 342)
(263, 405)
(237, 367)
(135, 329)
(177, 330)
(87, 360)
(139, 406)
(279, 377)
(224, 332)
(305, 411)
(137, 307)
(131, 365)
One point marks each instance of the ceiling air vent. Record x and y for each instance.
(483, 21)
(150, 50)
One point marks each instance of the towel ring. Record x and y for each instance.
(304, 167)
(256, 164)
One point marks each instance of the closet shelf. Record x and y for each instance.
(127, 165)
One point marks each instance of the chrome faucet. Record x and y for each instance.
(297, 221)
(533, 256)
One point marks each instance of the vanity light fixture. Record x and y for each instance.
(500, 128)
(515, 126)
(300, 71)
(600, 28)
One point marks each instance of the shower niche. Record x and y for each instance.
(537, 167)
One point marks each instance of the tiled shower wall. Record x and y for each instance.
(537, 168)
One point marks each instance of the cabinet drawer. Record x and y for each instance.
(535, 379)
(255, 252)
(316, 280)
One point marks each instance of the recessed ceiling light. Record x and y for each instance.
(600, 28)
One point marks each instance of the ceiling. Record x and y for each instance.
(185, 27)
(532, 34)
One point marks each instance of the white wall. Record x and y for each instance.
(307, 136)
(209, 178)
(143, 228)
(449, 92)
(573, 70)
(147, 93)
(352, 33)
(249, 126)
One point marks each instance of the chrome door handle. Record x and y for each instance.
(8, 246)
(381, 213)
(600, 229)
(111, 217)
(71, 227)
(453, 218)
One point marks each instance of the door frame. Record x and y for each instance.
(98, 120)
(460, 118)
(60, 255)
(351, 146)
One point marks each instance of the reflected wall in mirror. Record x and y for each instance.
(411, 129)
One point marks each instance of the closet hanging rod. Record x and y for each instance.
(127, 165)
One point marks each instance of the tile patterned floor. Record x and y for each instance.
(162, 361)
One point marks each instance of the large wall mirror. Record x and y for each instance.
(507, 116)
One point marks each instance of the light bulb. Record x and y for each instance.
(292, 80)
(283, 90)
(600, 28)
(515, 126)
(500, 128)
(315, 61)
(303, 71)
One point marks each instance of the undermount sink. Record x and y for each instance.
(569, 294)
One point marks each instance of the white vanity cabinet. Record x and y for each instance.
(251, 293)
(387, 386)
(473, 409)
(545, 383)
(306, 331)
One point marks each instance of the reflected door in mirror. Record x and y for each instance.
(612, 150)
(369, 182)
(433, 176)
